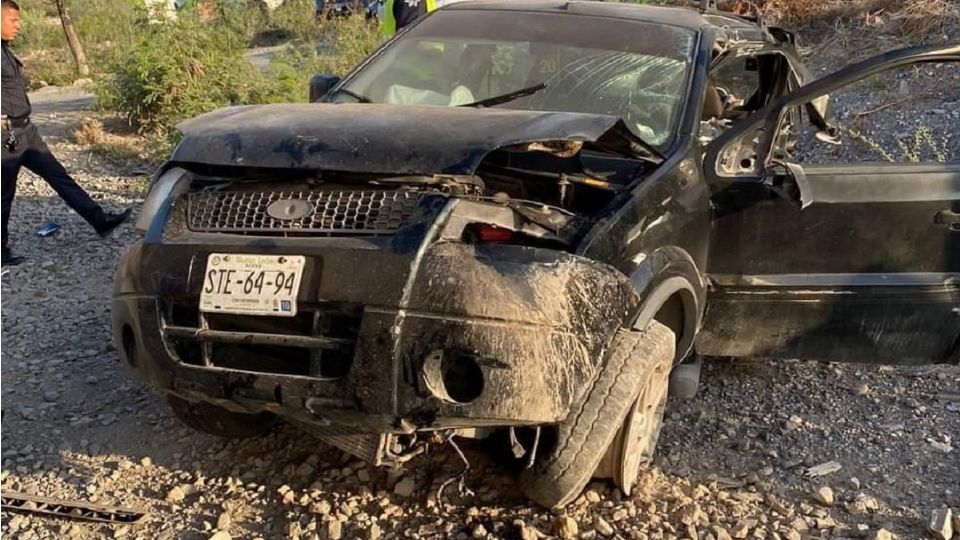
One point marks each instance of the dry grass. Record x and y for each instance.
(912, 21)
(921, 145)
(860, 23)
(126, 150)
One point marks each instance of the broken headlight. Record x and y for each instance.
(171, 183)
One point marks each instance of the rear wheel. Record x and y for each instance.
(614, 429)
(215, 420)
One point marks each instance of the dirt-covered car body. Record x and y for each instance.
(381, 298)
(468, 267)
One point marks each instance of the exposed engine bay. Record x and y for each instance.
(554, 190)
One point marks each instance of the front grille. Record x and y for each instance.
(269, 344)
(330, 212)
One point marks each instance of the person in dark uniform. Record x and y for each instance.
(23, 146)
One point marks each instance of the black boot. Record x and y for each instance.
(111, 221)
(9, 259)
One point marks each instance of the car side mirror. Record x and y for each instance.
(819, 111)
(320, 85)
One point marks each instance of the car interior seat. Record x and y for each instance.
(712, 103)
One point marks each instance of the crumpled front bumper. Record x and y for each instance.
(449, 335)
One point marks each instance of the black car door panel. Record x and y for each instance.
(866, 269)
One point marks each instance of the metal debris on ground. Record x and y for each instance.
(23, 503)
(49, 229)
(462, 488)
(533, 451)
(726, 483)
(822, 469)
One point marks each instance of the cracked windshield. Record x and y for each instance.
(634, 71)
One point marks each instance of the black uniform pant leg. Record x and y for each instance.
(38, 158)
(8, 176)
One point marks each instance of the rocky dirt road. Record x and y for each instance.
(732, 460)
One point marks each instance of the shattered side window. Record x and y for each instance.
(737, 78)
(903, 115)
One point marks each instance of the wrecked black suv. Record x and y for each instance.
(513, 221)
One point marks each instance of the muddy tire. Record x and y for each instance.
(218, 421)
(583, 438)
(632, 449)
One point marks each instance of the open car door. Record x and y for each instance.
(851, 259)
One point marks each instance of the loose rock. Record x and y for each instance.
(334, 530)
(882, 534)
(940, 524)
(565, 527)
(721, 534)
(405, 487)
(824, 495)
(743, 527)
(528, 533)
(602, 526)
(179, 493)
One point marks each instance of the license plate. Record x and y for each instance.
(252, 284)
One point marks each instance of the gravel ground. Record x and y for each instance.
(910, 114)
(732, 460)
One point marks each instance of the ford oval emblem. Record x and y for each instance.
(289, 209)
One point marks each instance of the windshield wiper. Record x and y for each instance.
(359, 97)
(505, 98)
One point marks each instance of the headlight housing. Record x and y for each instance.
(167, 186)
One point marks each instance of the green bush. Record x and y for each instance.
(295, 20)
(49, 66)
(351, 39)
(158, 74)
(343, 44)
(244, 19)
(105, 26)
(38, 30)
(178, 70)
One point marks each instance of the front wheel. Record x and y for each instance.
(633, 447)
(613, 430)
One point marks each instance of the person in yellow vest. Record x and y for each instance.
(399, 13)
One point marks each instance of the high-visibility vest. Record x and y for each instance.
(400, 13)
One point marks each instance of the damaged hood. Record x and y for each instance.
(381, 138)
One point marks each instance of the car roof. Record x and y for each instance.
(689, 18)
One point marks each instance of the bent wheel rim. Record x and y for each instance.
(641, 428)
